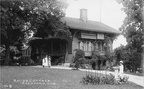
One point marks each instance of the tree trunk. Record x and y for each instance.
(7, 55)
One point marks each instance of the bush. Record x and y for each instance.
(79, 54)
(122, 79)
(98, 61)
(90, 79)
(130, 56)
(93, 79)
(24, 61)
(79, 58)
(105, 79)
(95, 54)
(79, 63)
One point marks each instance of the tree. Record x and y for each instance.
(133, 28)
(20, 18)
(12, 26)
(49, 14)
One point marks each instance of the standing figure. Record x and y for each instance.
(121, 68)
(49, 61)
(45, 61)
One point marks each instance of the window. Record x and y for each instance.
(101, 46)
(90, 46)
(86, 46)
(81, 45)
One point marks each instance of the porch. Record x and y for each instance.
(57, 48)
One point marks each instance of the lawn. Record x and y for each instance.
(25, 77)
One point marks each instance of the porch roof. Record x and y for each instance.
(75, 23)
(40, 40)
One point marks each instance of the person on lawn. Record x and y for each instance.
(121, 68)
(45, 61)
(49, 61)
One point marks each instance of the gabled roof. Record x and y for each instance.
(75, 23)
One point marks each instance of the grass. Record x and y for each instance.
(14, 77)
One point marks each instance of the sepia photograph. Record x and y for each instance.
(71, 44)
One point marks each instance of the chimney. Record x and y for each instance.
(83, 15)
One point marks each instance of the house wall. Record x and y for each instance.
(71, 47)
(75, 44)
(69, 59)
(69, 55)
(111, 45)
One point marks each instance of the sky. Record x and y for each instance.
(106, 11)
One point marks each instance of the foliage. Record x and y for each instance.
(104, 79)
(49, 16)
(95, 54)
(121, 53)
(13, 52)
(133, 29)
(2, 52)
(24, 61)
(95, 57)
(129, 56)
(79, 58)
(12, 25)
(79, 54)
(20, 18)
(106, 61)
(93, 79)
(123, 79)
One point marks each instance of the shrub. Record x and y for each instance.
(93, 79)
(122, 79)
(79, 58)
(24, 61)
(98, 61)
(95, 54)
(79, 54)
(90, 79)
(105, 79)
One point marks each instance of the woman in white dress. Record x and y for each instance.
(121, 68)
(45, 61)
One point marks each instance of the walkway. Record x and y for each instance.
(139, 80)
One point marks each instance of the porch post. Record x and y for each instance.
(52, 46)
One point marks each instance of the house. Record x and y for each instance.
(86, 35)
